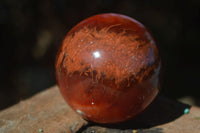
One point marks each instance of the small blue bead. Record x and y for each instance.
(186, 111)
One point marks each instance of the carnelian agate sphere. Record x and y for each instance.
(108, 68)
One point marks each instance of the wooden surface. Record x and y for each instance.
(47, 112)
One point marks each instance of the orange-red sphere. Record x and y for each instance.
(108, 68)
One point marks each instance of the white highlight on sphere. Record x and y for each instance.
(97, 54)
(80, 112)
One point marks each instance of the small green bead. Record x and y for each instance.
(186, 110)
(40, 130)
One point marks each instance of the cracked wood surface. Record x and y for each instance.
(48, 112)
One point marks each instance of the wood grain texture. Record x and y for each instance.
(47, 112)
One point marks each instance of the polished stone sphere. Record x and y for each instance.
(108, 68)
